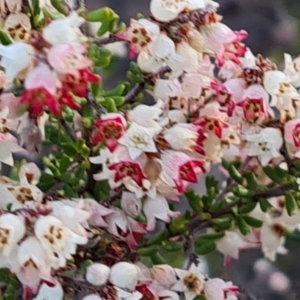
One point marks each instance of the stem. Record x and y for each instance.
(288, 160)
(130, 97)
(69, 130)
(139, 87)
(107, 40)
(100, 110)
(68, 5)
(196, 225)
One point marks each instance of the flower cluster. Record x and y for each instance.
(101, 216)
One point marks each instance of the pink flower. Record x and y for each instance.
(224, 42)
(68, 59)
(109, 130)
(182, 168)
(292, 132)
(125, 169)
(255, 104)
(40, 90)
(140, 34)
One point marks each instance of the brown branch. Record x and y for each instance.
(107, 40)
(131, 95)
(68, 130)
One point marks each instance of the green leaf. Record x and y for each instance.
(64, 163)
(179, 225)
(194, 201)
(118, 100)
(205, 248)
(48, 163)
(158, 238)
(209, 237)
(69, 191)
(4, 274)
(157, 259)
(146, 251)
(96, 89)
(84, 266)
(251, 180)
(110, 105)
(171, 246)
(117, 91)
(35, 7)
(223, 223)
(101, 57)
(242, 192)
(5, 38)
(247, 208)
(253, 222)
(102, 15)
(46, 182)
(265, 205)
(101, 190)
(59, 6)
(235, 174)
(242, 225)
(275, 173)
(291, 204)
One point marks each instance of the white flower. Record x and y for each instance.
(276, 84)
(65, 31)
(215, 289)
(72, 217)
(47, 292)
(158, 208)
(181, 136)
(57, 239)
(16, 59)
(162, 53)
(138, 139)
(10, 6)
(147, 116)
(164, 274)
(124, 275)
(97, 274)
(19, 195)
(8, 145)
(292, 69)
(167, 10)
(32, 263)
(29, 174)
(230, 244)
(190, 282)
(298, 182)
(12, 230)
(272, 239)
(130, 204)
(265, 145)
(18, 26)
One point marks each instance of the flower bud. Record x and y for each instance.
(164, 275)
(97, 274)
(124, 275)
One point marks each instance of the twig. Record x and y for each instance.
(288, 160)
(108, 40)
(231, 182)
(69, 130)
(139, 87)
(97, 107)
(130, 97)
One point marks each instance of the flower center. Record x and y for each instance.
(192, 283)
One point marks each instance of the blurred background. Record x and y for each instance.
(274, 28)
